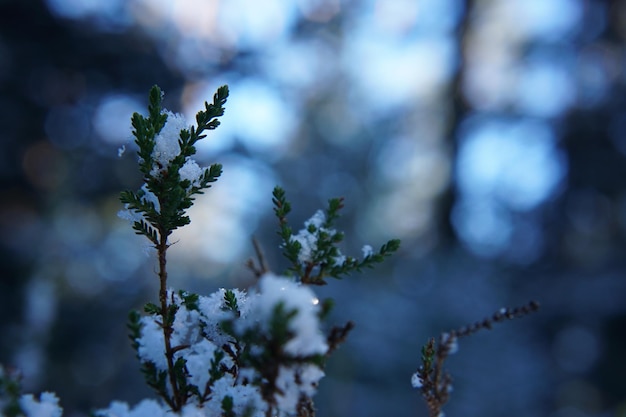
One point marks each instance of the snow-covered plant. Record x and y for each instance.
(259, 352)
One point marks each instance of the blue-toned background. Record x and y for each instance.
(490, 136)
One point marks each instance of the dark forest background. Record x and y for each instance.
(490, 136)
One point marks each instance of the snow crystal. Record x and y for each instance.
(186, 324)
(191, 171)
(193, 410)
(367, 251)
(151, 343)
(198, 358)
(199, 331)
(146, 408)
(134, 216)
(316, 220)
(150, 197)
(416, 381)
(339, 260)
(130, 215)
(116, 409)
(149, 408)
(308, 338)
(247, 396)
(212, 313)
(212, 305)
(309, 378)
(167, 147)
(285, 382)
(293, 382)
(308, 245)
(245, 375)
(46, 406)
(307, 237)
(451, 341)
(243, 397)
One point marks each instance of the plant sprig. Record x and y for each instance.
(174, 195)
(161, 206)
(321, 239)
(434, 382)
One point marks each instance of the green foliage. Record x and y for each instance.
(216, 371)
(262, 348)
(279, 324)
(261, 344)
(332, 212)
(159, 207)
(227, 407)
(228, 411)
(152, 309)
(353, 264)
(189, 300)
(157, 380)
(185, 389)
(170, 315)
(326, 259)
(282, 208)
(146, 129)
(327, 306)
(428, 355)
(230, 301)
(173, 194)
(134, 328)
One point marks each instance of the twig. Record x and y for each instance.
(435, 384)
(498, 317)
(177, 401)
(337, 336)
(262, 267)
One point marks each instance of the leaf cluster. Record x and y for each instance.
(262, 348)
(230, 303)
(326, 259)
(174, 195)
(353, 264)
(436, 384)
(160, 207)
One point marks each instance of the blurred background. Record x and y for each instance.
(488, 135)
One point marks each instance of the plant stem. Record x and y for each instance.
(167, 327)
(306, 278)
